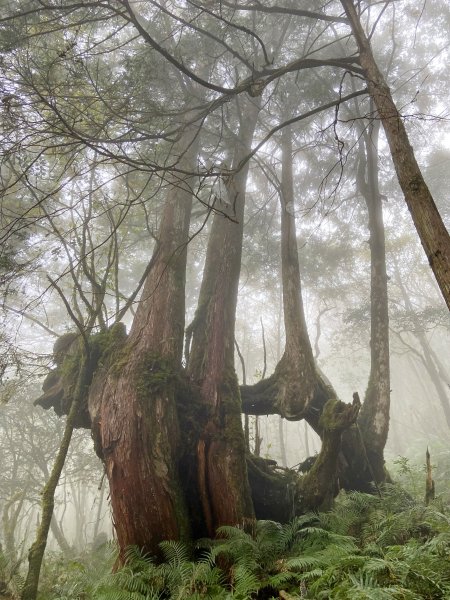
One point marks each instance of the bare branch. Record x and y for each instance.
(281, 10)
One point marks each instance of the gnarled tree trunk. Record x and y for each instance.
(132, 404)
(310, 391)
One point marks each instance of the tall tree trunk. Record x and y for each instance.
(133, 407)
(218, 450)
(430, 227)
(293, 387)
(374, 415)
(298, 353)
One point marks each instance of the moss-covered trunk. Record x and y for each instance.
(217, 451)
(132, 403)
(280, 494)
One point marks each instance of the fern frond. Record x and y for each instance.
(289, 533)
(233, 533)
(365, 587)
(303, 562)
(244, 583)
(279, 580)
(175, 552)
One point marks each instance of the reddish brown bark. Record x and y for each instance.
(427, 220)
(220, 448)
(133, 407)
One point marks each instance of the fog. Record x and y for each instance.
(211, 239)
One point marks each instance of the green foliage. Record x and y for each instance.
(410, 472)
(77, 579)
(402, 549)
(367, 547)
(177, 578)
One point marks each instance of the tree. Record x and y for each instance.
(168, 431)
(374, 417)
(217, 458)
(132, 407)
(36, 553)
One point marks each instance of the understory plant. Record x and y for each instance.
(367, 547)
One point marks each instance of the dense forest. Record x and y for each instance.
(225, 273)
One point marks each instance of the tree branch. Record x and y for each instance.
(281, 10)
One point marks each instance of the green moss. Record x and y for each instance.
(105, 345)
(230, 409)
(69, 369)
(154, 374)
(192, 414)
(103, 348)
(327, 419)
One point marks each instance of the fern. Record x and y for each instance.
(175, 553)
(365, 548)
(366, 588)
(244, 583)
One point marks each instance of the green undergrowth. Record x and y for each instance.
(367, 547)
